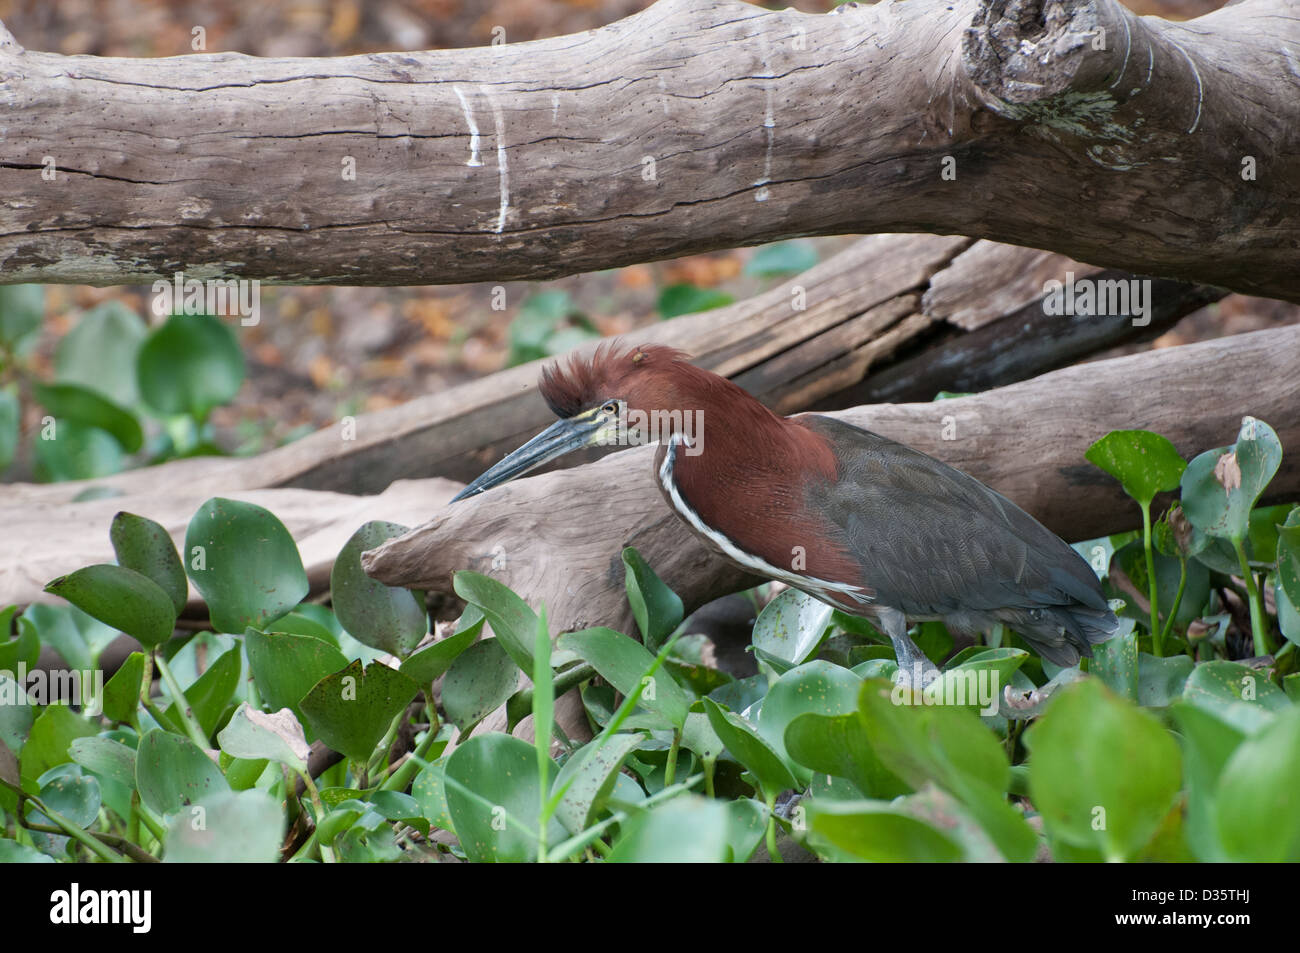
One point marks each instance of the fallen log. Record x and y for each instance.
(1129, 142)
(794, 347)
(557, 538)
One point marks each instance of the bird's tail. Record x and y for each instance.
(1061, 634)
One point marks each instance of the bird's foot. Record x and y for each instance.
(915, 670)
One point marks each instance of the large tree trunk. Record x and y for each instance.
(557, 538)
(1072, 125)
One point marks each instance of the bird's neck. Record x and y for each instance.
(738, 460)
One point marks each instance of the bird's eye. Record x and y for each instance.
(610, 408)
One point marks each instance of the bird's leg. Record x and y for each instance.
(914, 667)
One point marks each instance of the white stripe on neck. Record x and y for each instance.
(810, 584)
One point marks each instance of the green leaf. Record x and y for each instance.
(211, 692)
(791, 626)
(122, 692)
(316, 621)
(1288, 617)
(245, 563)
(430, 791)
(361, 846)
(69, 402)
(254, 736)
(685, 830)
(494, 797)
(479, 682)
(76, 636)
(12, 852)
(189, 365)
(1115, 662)
(10, 420)
(1208, 743)
(1256, 814)
(594, 774)
(684, 298)
(878, 832)
(657, 609)
(1241, 696)
(145, 546)
(815, 687)
(624, 662)
(1161, 681)
(23, 649)
(69, 450)
(1084, 776)
(746, 823)
(100, 353)
(121, 598)
(928, 742)
(76, 797)
(109, 759)
(964, 681)
(1145, 463)
(238, 827)
(171, 772)
(383, 617)
(17, 713)
(1288, 556)
(21, 309)
(433, 660)
(839, 746)
(751, 749)
(1220, 487)
(513, 623)
(352, 709)
(782, 258)
(286, 667)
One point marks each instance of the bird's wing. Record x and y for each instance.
(933, 540)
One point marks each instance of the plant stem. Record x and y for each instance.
(65, 826)
(379, 759)
(187, 717)
(1157, 637)
(405, 773)
(670, 769)
(771, 831)
(326, 854)
(1178, 596)
(1257, 626)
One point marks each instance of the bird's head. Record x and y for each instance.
(602, 400)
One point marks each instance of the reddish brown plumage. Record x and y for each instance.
(750, 478)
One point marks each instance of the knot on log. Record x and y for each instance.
(1022, 52)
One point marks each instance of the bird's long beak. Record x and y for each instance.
(561, 437)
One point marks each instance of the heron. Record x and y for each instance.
(867, 525)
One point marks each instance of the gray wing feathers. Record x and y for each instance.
(934, 541)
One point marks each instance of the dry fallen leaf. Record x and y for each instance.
(1227, 472)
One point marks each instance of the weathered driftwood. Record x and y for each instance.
(1163, 148)
(43, 541)
(556, 538)
(795, 347)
